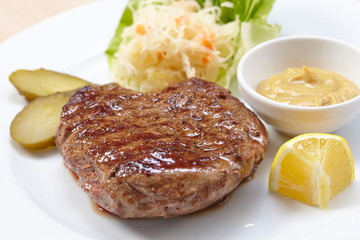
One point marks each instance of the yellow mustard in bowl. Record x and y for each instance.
(308, 87)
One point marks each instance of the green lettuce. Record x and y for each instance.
(253, 24)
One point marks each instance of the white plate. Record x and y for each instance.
(40, 200)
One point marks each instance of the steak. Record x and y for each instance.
(159, 154)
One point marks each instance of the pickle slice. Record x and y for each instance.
(36, 125)
(41, 82)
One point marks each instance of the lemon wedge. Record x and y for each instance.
(312, 168)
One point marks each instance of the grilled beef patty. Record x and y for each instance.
(159, 154)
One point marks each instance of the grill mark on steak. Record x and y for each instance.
(159, 154)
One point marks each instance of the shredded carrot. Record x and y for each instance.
(182, 20)
(207, 40)
(207, 44)
(207, 58)
(160, 55)
(212, 37)
(140, 29)
(179, 21)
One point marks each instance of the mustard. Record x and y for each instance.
(310, 87)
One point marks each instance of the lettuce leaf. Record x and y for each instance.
(245, 9)
(125, 21)
(252, 33)
(253, 24)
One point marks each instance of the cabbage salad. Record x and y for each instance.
(161, 41)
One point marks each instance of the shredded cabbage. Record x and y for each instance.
(174, 40)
